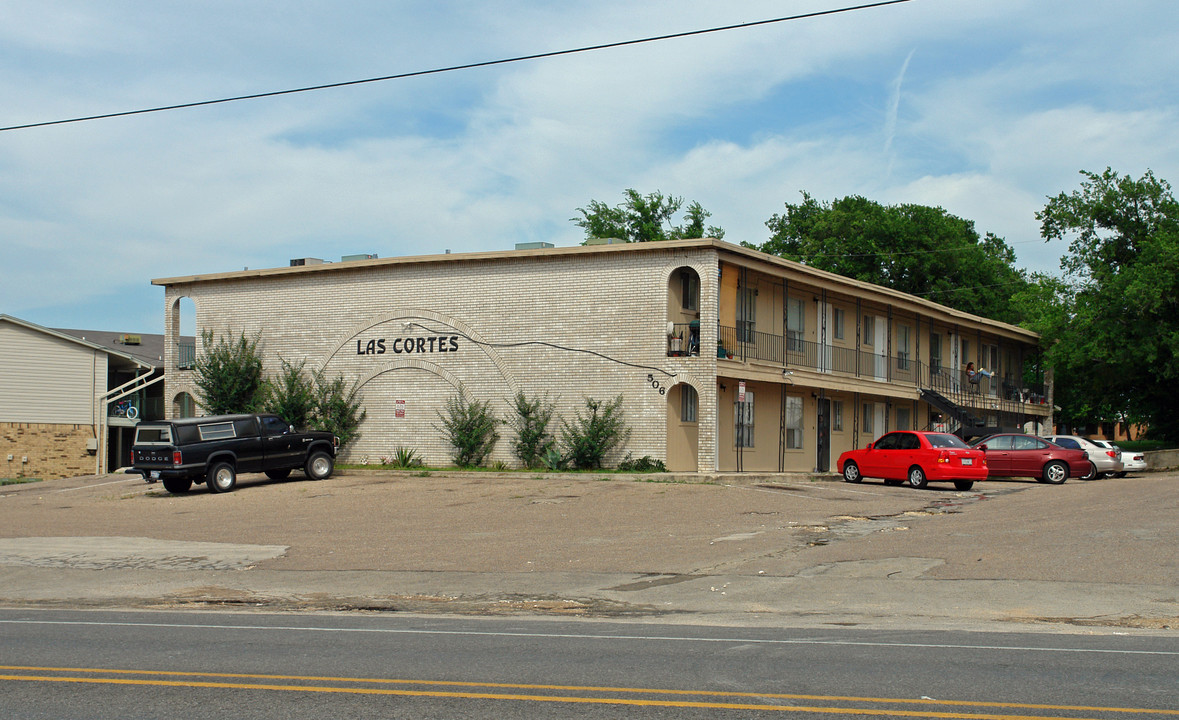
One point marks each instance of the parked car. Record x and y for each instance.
(916, 457)
(1106, 461)
(1131, 462)
(214, 449)
(1018, 455)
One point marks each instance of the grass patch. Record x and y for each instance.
(18, 481)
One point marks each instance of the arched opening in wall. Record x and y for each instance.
(183, 406)
(182, 329)
(683, 312)
(683, 428)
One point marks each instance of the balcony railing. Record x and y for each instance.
(867, 363)
(187, 358)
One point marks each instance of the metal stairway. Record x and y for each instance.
(965, 419)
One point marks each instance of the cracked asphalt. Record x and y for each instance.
(732, 549)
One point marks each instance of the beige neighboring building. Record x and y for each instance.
(726, 358)
(70, 399)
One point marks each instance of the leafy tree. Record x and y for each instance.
(1113, 334)
(916, 249)
(228, 375)
(645, 218)
(337, 407)
(531, 423)
(471, 429)
(593, 435)
(292, 395)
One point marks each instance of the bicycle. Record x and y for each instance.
(124, 408)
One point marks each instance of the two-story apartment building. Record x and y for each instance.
(726, 358)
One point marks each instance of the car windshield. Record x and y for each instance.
(945, 440)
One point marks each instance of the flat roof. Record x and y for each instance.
(770, 261)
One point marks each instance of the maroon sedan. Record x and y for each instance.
(918, 457)
(1014, 455)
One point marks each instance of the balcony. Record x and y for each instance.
(995, 393)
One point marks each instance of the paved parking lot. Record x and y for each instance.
(1102, 553)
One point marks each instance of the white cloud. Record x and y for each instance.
(981, 108)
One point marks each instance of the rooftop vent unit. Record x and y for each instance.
(362, 256)
(297, 262)
(533, 245)
(132, 339)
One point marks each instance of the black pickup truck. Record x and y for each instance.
(213, 450)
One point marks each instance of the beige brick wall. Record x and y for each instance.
(53, 451)
(562, 327)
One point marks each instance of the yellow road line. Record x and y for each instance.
(558, 698)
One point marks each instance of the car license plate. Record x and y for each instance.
(155, 474)
(967, 461)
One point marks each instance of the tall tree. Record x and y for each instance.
(916, 249)
(645, 218)
(1115, 333)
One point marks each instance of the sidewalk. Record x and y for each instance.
(769, 550)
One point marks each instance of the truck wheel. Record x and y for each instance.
(221, 478)
(278, 474)
(319, 466)
(177, 486)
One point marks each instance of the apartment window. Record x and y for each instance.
(746, 314)
(903, 421)
(837, 416)
(743, 421)
(903, 335)
(690, 290)
(866, 419)
(795, 324)
(965, 352)
(869, 330)
(935, 352)
(837, 320)
(689, 403)
(793, 422)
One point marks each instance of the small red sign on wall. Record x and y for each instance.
(399, 408)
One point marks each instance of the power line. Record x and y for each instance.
(453, 68)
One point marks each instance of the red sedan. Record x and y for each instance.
(1016, 455)
(918, 457)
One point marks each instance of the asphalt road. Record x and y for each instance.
(103, 664)
(1101, 556)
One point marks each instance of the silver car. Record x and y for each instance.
(1106, 460)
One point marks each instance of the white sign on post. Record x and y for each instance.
(741, 391)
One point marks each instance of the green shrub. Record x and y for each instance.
(403, 458)
(594, 434)
(228, 375)
(531, 421)
(554, 460)
(471, 429)
(337, 407)
(645, 464)
(292, 394)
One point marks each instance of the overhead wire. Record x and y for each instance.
(454, 68)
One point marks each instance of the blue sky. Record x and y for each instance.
(983, 108)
